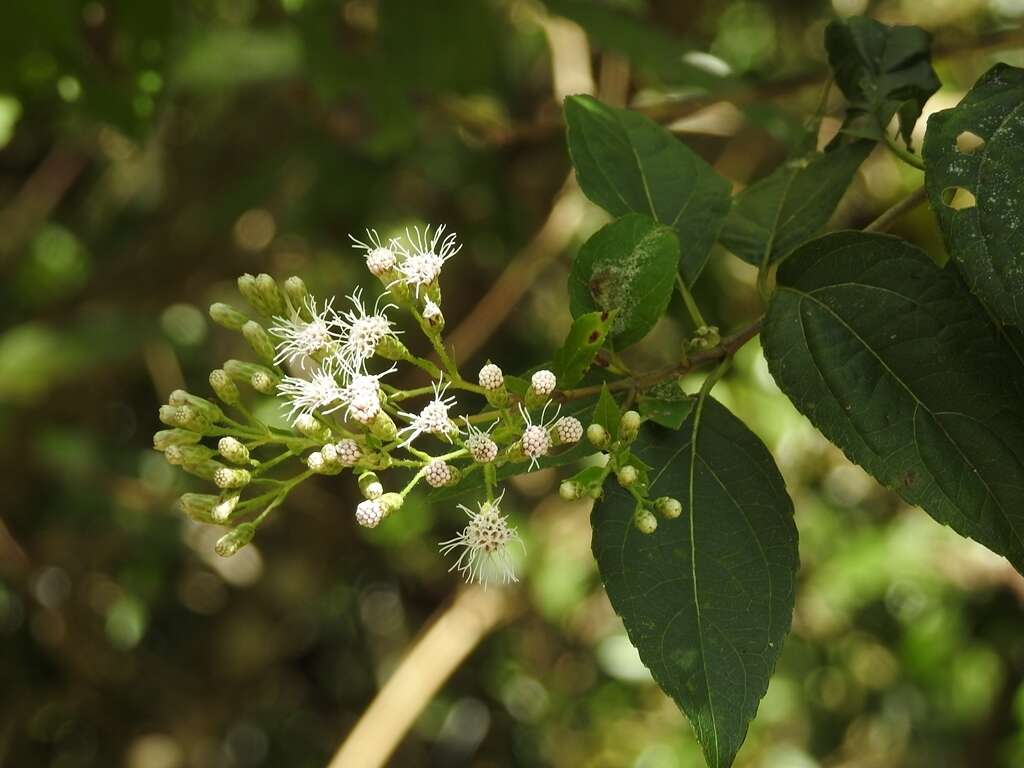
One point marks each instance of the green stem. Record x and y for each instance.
(903, 153)
(691, 305)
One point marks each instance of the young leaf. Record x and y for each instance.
(627, 163)
(882, 71)
(607, 413)
(628, 265)
(708, 597)
(776, 214)
(899, 365)
(974, 153)
(585, 338)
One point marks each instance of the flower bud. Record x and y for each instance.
(187, 455)
(264, 382)
(626, 475)
(235, 539)
(668, 507)
(570, 490)
(227, 316)
(543, 383)
(240, 370)
(307, 424)
(270, 293)
(705, 337)
(629, 426)
(348, 452)
(165, 438)
(205, 408)
(198, 506)
(390, 502)
(432, 314)
(184, 417)
(382, 427)
(370, 486)
(206, 469)
(224, 387)
(259, 340)
(369, 513)
(247, 287)
(297, 293)
(227, 477)
(225, 506)
(233, 450)
(598, 436)
(437, 474)
(390, 348)
(644, 521)
(566, 430)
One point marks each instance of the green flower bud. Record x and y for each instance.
(390, 502)
(270, 293)
(183, 417)
(233, 450)
(259, 340)
(626, 475)
(227, 316)
(629, 426)
(205, 408)
(705, 337)
(198, 506)
(206, 469)
(264, 382)
(228, 477)
(225, 506)
(370, 485)
(570, 490)
(307, 424)
(247, 287)
(297, 293)
(668, 507)
(382, 427)
(320, 462)
(165, 438)
(241, 371)
(235, 539)
(598, 436)
(644, 521)
(224, 387)
(188, 456)
(390, 348)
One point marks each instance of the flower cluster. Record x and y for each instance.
(330, 369)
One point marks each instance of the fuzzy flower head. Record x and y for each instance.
(361, 397)
(380, 256)
(485, 545)
(543, 382)
(361, 331)
(319, 393)
(568, 429)
(300, 339)
(491, 378)
(536, 442)
(422, 261)
(433, 419)
(479, 443)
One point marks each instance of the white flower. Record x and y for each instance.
(536, 442)
(568, 429)
(479, 443)
(360, 331)
(491, 377)
(369, 513)
(543, 382)
(486, 546)
(427, 253)
(301, 339)
(379, 257)
(433, 419)
(437, 474)
(321, 392)
(362, 396)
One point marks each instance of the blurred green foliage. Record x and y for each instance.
(150, 151)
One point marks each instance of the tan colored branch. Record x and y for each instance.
(447, 642)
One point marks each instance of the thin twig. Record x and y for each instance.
(446, 643)
(889, 215)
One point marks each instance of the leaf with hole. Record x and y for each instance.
(900, 366)
(776, 214)
(708, 597)
(627, 163)
(629, 267)
(585, 338)
(882, 71)
(973, 156)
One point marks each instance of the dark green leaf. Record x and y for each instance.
(585, 338)
(899, 365)
(882, 71)
(627, 163)
(669, 413)
(977, 149)
(708, 597)
(773, 216)
(629, 266)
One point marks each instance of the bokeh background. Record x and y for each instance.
(152, 151)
